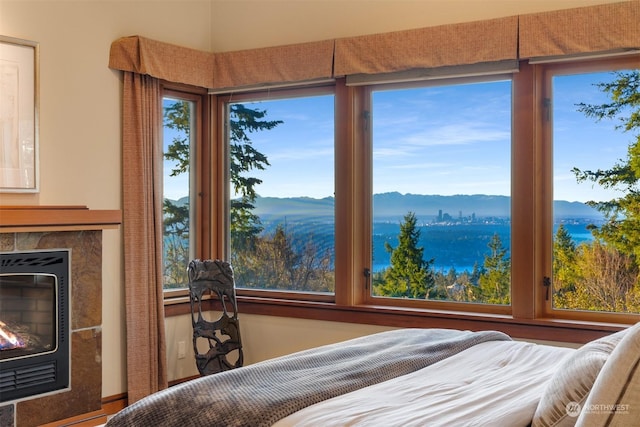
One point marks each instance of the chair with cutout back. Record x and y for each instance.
(224, 352)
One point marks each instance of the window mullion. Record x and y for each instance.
(523, 194)
(351, 223)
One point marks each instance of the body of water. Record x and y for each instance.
(456, 246)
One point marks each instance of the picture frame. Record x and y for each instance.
(19, 105)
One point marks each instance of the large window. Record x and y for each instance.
(596, 205)
(441, 192)
(456, 201)
(281, 192)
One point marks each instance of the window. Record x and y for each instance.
(281, 191)
(441, 192)
(469, 175)
(182, 118)
(595, 264)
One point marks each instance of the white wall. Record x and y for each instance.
(80, 115)
(263, 337)
(245, 24)
(80, 100)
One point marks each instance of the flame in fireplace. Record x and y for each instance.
(9, 340)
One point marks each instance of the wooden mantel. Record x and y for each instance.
(49, 218)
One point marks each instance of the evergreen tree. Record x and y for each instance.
(177, 116)
(245, 225)
(495, 281)
(605, 275)
(622, 214)
(175, 216)
(244, 158)
(409, 275)
(476, 273)
(565, 272)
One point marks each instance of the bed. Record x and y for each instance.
(414, 377)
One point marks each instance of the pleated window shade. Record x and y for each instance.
(609, 28)
(165, 61)
(306, 62)
(490, 41)
(482, 47)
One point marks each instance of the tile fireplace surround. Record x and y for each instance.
(26, 228)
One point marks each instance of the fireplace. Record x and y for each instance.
(36, 229)
(34, 323)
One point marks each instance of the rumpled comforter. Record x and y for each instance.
(263, 393)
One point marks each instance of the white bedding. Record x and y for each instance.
(491, 384)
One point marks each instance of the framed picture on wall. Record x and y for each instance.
(18, 115)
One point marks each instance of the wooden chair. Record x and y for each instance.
(208, 277)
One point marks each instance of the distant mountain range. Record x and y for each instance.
(393, 206)
(460, 246)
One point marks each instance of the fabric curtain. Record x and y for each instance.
(142, 227)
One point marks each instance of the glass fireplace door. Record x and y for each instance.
(34, 322)
(28, 314)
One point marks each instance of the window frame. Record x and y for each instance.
(531, 177)
(222, 178)
(200, 171)
(546, 73)
(367, 238)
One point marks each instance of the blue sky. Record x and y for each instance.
(443, 140)
(437, 140)
(580, 141)
(300, 150)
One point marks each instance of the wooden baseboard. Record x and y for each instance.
(113, 404)
(90, 419)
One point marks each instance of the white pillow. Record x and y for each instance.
(570, 385)
(615, 397)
